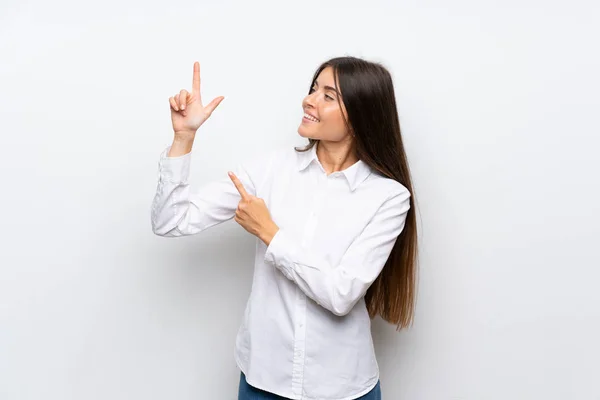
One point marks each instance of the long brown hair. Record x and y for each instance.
(368, 95)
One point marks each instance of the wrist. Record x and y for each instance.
(181, 146)
(268, 233)
(185, 134)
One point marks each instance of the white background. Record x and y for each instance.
(498, 105)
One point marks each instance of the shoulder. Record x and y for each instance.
(387, 185)
(391, 193)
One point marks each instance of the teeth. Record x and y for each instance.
(311, 117)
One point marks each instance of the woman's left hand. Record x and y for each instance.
(253, 215)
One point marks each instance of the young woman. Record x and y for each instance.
(335, 227)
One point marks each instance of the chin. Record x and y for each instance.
(302, 132)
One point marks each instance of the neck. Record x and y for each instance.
(336, 156)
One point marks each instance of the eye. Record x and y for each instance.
(326, 96)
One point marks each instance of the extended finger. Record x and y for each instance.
(210, 107)
(196, 80)
(239, 186)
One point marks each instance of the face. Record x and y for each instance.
(325, 116)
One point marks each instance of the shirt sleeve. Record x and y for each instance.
(339, 287)
(179, 210)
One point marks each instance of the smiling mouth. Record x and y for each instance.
(310, 118)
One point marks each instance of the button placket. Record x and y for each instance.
(299, 342)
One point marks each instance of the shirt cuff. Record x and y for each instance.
(174, 169)
(280, 253)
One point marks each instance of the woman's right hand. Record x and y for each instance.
(187, 111)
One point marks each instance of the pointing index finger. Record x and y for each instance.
(239, 186)
(196, 79)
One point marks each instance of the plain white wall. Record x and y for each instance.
(498, 105)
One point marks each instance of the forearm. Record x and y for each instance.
(331, 286)
(181, 146)
(267, 234)
(178, 210)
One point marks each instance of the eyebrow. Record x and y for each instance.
(329, 88)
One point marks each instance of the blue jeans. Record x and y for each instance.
(247, 392)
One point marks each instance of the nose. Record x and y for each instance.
(309, 101)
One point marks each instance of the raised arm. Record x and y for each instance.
(177, 210)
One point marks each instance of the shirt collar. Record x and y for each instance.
(355, 174)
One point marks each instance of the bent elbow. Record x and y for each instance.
(159, 231)
(342, 308)
(164, 229)
(344, 298)
(340, 312)
(166, 225)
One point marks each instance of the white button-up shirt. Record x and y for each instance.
(306, 332)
